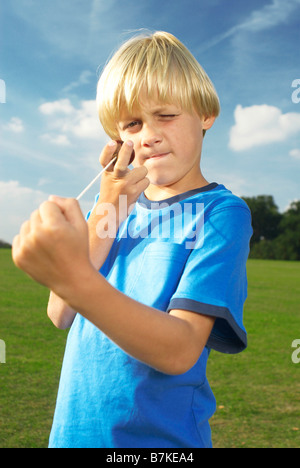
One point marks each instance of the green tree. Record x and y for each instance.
(288, 241)
(4, 245)
(265, 218)
(276, 236)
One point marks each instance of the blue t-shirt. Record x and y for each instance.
(188, 252)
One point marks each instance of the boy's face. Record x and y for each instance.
(167, 140)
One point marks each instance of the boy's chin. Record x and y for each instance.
(160, 180)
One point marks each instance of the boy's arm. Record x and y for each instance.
(171, 343)
(53, 248)
(107, 210)
(59, 312)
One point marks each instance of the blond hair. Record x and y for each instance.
(160, 64)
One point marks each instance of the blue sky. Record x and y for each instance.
(51, 53)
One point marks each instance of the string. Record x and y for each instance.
(96, 178)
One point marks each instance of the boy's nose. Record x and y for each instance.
(150, 136)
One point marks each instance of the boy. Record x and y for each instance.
(171, 249)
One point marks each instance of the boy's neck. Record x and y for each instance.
(157, 192)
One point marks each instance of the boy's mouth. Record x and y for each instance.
(157, 156)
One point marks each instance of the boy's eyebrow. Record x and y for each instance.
(154, 111)
(162, 109)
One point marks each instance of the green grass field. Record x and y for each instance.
(258, 391)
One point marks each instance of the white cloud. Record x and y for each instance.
(16, 205)
(295, 153)
(43, 181)
(62, 106)
(15, 125)
(59, 140)
(75, 129)
(86, 122)
(81, 122)
(261, 125)
(19, 150)
(18, 202)
(269, 16)
(84, 78)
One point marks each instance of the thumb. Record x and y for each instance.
(69, 207)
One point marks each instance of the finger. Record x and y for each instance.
(35, 219)
(124, 158)
(142, 185)
(15, 248)
(59, 201)
(25, 229)
(72, 211)
(51, 213)
(108, 153)
(16, 251)
(132, 155)
(19, 242)
(61, 209)
(137, 174)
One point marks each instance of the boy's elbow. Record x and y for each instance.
(185, 367)
(57, 321)
(61, 319)
(179, 365)
(60, 324)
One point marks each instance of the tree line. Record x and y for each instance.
(4, 245)
(276, 236)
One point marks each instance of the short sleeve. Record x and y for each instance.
(95, 203)
(214, 281)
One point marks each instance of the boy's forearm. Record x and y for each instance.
(100, 240)
(59, 312)
(156, 338)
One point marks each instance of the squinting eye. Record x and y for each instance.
(132, 124)
(170, 116)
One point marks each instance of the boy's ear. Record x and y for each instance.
(208, 122)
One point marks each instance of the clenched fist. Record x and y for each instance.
(52, 246)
